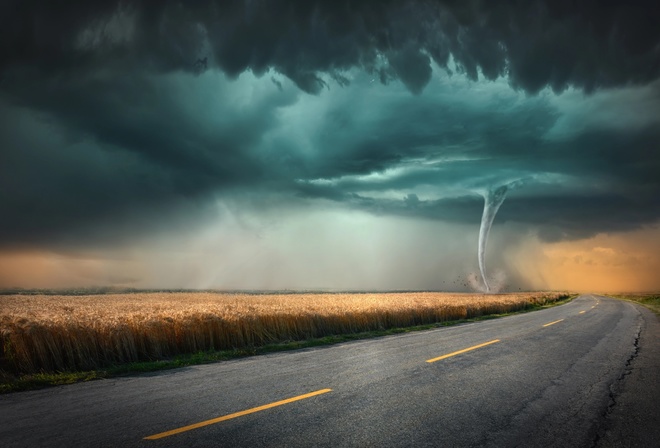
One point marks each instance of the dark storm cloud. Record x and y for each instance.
(116, 152)
(594, 180)
(536, 44)
(114, 115)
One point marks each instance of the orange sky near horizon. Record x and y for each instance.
(618, 262)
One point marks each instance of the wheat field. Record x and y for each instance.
(46, 333)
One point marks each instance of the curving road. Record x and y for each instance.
(578, 375)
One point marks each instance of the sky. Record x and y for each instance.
(338, 144)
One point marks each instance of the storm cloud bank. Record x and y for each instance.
(125, 119)
(535, 44)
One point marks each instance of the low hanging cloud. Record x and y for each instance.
(535, 44)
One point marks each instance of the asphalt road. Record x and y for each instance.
(572, 383)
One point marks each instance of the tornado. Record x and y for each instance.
(492, 201)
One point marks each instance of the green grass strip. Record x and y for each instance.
(651, 301)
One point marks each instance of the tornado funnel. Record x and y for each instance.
(492, 201)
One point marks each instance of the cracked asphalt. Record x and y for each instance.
(632, 418)
(584, 374)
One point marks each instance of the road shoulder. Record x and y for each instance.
(633, 419)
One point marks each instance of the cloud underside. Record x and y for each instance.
(535, 44)
(117, 119)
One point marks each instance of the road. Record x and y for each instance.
(546, 378)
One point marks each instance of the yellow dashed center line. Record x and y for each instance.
(582, 312)
(474, 347)
(237, 414)
(552, 323)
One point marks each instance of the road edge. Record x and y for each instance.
(632, 418)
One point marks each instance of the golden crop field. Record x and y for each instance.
(65, 333)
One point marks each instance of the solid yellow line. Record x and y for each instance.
(552, 323)
(463, 351)
(236, 414)
(582, 312)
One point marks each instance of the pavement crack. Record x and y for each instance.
(615, 388)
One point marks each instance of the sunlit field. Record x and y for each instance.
(62, 333)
